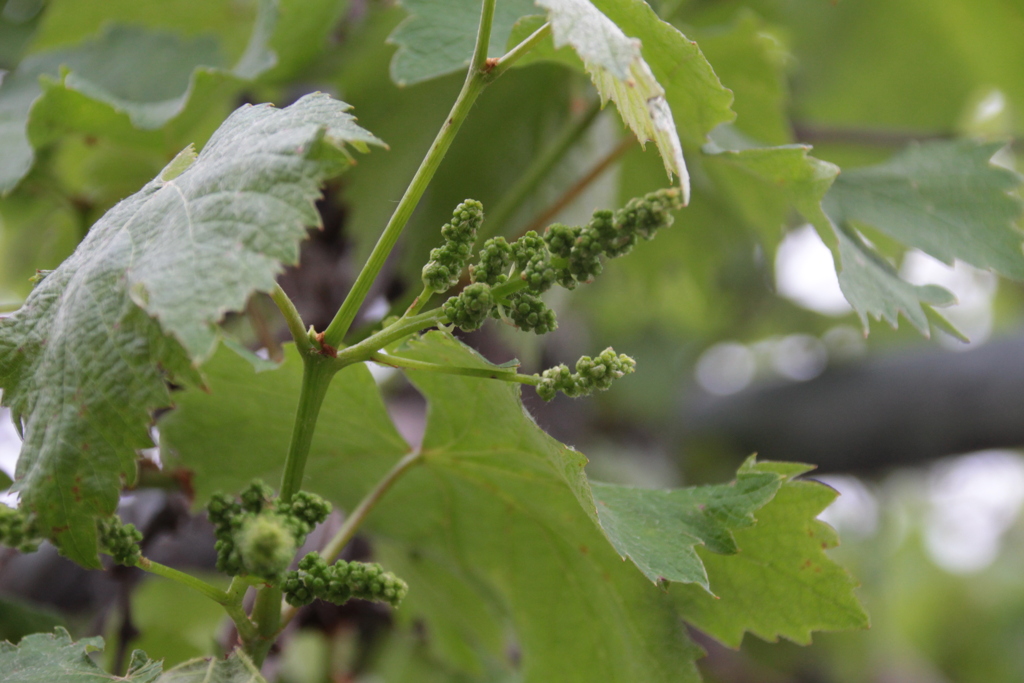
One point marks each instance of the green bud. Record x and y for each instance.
(530, 314)
(120, 540)
(446, 263)
(266, 545)
(17, 529)
(592, 374)
(469, 310)
(493, 263)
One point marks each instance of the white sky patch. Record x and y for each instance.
(855, 511)
(377, 309)
(726, 368)
(974, 290)
(972, 501)
(10, 446)
(806, 274)
(381, 373)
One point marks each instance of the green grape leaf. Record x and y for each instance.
(765, 183)
(235, 669)
(617, 67)
(659, 529)
(438, 36)
(512, 508)
(55, 658)
(146, 75)
(781, 583)
(504, 506)
(697, 98)
(944, 198)
(71, 22)
(207, 433)
(86, 357)
(874, 288)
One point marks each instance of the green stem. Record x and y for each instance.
(538, 169)
(366, 505)
(229, 600)
(418, 303)
(212, 592)
(317, 372)
(476, 79)
(505, 289)
(355, 519)
(292, 318)
(267, 615)
(409, 364)
(402, 328)
(516, 53)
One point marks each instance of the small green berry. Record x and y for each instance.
(592, 374)
(446, 263)
(493, 263)
(530, 314)
(17, 529)
(120, 540)
(469, 310)
(256, 496)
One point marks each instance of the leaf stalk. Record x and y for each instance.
(410, 364)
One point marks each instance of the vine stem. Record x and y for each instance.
(355, 519)
(317, 372)
(409, 364)
(476, 79)
(418, 303)
(292, 318)
(212, 592)
(516, 53)
(403, 327)
(229, 600)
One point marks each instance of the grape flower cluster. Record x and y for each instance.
(259, 534)
(340, 582)
(120, 540)
(17, 529)
(117, 539)
(508, 279)
(591, 374)
(447, 261)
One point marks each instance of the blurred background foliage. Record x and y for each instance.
(743, 340)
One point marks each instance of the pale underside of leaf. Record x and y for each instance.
(55, 658)
(619, 72)
(86, 358)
